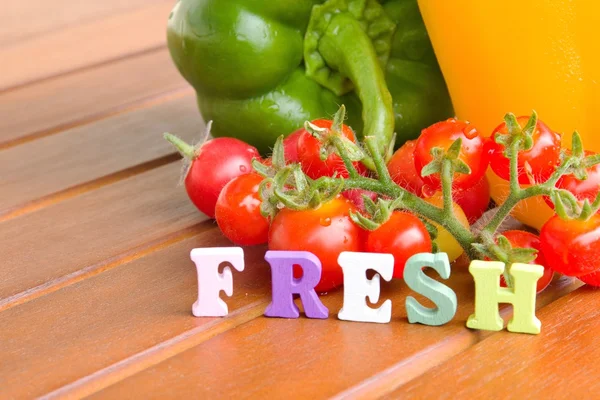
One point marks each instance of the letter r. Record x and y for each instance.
(285, 285)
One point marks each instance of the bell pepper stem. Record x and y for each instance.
(347, 47)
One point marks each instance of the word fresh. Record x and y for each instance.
(357, 288)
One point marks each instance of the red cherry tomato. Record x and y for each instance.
(443, 134)
(309, 153)
(572, 247)
(542, 158)
(585, 189)
(290, 146)
(238, 211)
(403, 235)
(474, 200)
(592, 279)
(402, 169)
(214, 164)
(325, 232)
(529, 240)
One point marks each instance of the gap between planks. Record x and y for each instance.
(104, 265)
(43, 19)
(400, 374)
(77, 190)
(110, 37)
(107, 113)
(378, 385)
(84, 68)
(130, 366)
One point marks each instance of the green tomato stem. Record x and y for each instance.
(380, 166)
(186, 150)
(446, 177)
(344, 156)
(514, 166)
(517, 194)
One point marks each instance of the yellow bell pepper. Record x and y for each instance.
(500, 56)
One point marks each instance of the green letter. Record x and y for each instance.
(488, 294)
(443, 297)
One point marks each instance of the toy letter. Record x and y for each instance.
(285, 285)
(443, 297)
(357, 287)
(488, 294)
(211, 282)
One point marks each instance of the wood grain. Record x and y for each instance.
(85, 96)
(120, 321)
(559, 363)
(310, 358)
(55, 163)
(84, 235)
(25, 19)
(97, 41)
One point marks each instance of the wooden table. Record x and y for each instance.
(96, 283)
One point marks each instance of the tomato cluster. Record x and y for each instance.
(570, 247)
(230, 193)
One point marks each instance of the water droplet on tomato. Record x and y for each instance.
(243, 169)
(325, 221)
(427, 191)
(470, 131)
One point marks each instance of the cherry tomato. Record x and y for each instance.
(238, 211)
(309, 153)
(325, 232)
(402, 169)
(443, 134)
(541, 159)
(445, 241)
(529, 240)
(290, 146)
(474, 200)
(290, 149)
(592, 279)
(572, 247)
(403, 236)
(581, 189)
(214, 164)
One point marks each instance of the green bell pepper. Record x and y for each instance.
(261, 68)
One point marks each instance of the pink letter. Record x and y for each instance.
(211, 282)
(285, 285)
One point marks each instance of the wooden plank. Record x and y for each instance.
(276, 357)
(43, 16)
(124, 319)
(83, 45)
(52, 164)
(82, 236)
(558, 363)
(88, 95)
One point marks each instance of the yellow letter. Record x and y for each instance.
(488, 294)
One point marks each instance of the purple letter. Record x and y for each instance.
(285, 285)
